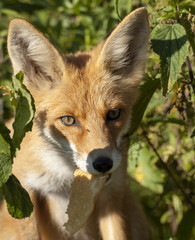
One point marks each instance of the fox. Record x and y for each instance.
(83, 114)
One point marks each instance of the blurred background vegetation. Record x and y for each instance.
(161, 156)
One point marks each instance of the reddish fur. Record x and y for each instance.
(86, 86)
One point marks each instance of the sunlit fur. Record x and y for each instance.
(86, 85)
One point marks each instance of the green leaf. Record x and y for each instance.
(11, 13)
(165, 119)
(188, 27)
(147, 90)
(143, 168)
(117, 9)
(170, 43)
(5, 167)
(18, 201)
(24, 110)
(186, 226)
(5, 155)
(193, 134)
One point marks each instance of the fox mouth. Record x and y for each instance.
(109, 178)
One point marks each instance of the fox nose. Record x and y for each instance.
(103, 164)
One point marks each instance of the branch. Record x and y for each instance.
(190, 73)
(167, 169)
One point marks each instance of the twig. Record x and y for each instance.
(4, 94)
(190, 73)
(117, 9)
(166, 168)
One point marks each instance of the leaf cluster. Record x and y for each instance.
(18, 201)
(161, 154)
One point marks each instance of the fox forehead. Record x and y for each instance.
(84, 88)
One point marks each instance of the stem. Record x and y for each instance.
(4, 94)
(117, 9)
(190, 73)
(167, 169)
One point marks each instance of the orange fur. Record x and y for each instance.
(87, 86)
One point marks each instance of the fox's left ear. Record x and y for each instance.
(124, 51)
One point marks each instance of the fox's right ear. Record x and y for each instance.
(124, 51)
(31, 52)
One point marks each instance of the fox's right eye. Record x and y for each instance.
(68, 120)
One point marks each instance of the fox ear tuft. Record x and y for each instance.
(124, 51)
(31, 52)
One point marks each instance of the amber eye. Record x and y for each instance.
(113, 114)
(68, 120)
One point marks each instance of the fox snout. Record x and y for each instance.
(99, 161)
(103, 164)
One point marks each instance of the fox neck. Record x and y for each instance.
(47, 176)
(50, 175)
(50, 215)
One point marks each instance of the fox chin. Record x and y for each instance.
(83, 112)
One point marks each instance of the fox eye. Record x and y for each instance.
(113, 114)
(68, 120)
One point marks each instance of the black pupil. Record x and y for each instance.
(114, 114)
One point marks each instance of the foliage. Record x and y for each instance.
(161, 153)
(169, 41)
(18, 200)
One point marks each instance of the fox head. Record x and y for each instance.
(83, 101)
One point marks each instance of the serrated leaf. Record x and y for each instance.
(147, 90)
(24, 110)
(18, 201)
(5, 155)
(170, 43)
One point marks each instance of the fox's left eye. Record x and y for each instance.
(113, 114)
(68, 120)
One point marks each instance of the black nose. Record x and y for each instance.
(103, 164)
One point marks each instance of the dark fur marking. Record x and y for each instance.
(78, 61)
